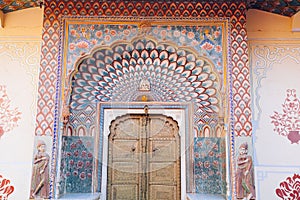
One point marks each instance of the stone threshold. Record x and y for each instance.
(96, 196)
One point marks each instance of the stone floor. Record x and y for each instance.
(81, 196)
(96, 196)
(204, 197)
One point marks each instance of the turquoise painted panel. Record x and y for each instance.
(210, 168)
(77, 164)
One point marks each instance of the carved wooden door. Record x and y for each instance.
(144, 158)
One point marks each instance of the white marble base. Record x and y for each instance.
(96, 196)
(195, 196)
(81, 196)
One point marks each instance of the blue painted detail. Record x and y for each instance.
(77, 163)
(210, 165)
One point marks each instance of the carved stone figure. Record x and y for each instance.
(144, 85)
(40, 173)
(245, 179)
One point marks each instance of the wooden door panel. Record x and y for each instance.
(157, 128)
(163, 150)
(162, 192)
(125, 173)
(125, 150)
(144, 158)
(125, 192)
(163, 173)
(129, 128)
(162, 128)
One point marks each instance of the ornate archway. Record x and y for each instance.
(170, 73)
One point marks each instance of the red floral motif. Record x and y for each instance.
(5, 188)
(75, 173)
(72, 46)
(79, 141)
(211, 154)
(79, 164)
(76, 153)
(163, 33)
(199, 144)
(98, 34)
(107, 38)
(89, 175)
(94, 41)
(288, 123)
(113, 32)
(8, 116)
(126, 32)
(82, 44)
(190, 35)
(176, 33)
(206, 164)
(217, 34)
(73, 32)
(218, 48)
(82, 175)
(83, 154)
(207, 46)
(87, 164)
(1, 131)
(71, 162)
(290, 188)
(90, 155)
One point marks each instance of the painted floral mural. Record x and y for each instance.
(5, 188)
(207, 40)
(9, 116)
(290, 188)
(77, 163)
(287, 123)
(210, 164)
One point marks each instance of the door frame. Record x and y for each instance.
(181, 112)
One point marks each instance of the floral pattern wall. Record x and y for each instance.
(210, 163)
(77, 164)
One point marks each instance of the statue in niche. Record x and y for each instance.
(144, 85)
(245, 177)
(40, 173)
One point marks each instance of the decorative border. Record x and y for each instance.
(208, 21)
(263, 60)
(62, 63)
(28, 55)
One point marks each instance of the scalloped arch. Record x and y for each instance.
(113, 73)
